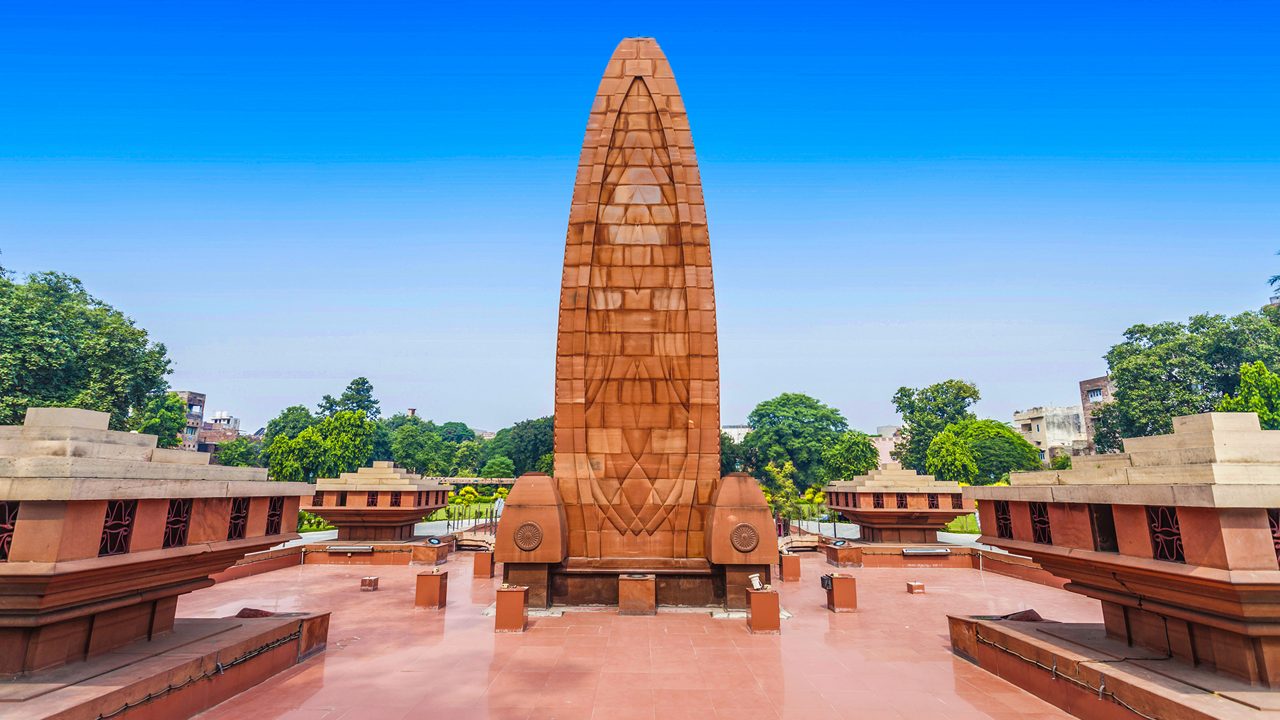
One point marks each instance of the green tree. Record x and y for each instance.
(1258, 392)
(498, 467)
(62, 347)
(342, 442)
(547, 464)
(529, 441)
(925, 413)
(456, 432)
(164, 416)
(852, 454)
(241, 452)
(289, 423)
(734, 457)
(358, 397)
(1169, 369)
(783, 496)
(1060, 462)
(466, 459)
(793, 428)
(418, 449)
(979, 452)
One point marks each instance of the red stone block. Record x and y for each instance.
(789, 567)
(369, 583)
(842, 595)
(482, 565)
(764, 615)
(915, 588)
(511, 610)
(431, 589)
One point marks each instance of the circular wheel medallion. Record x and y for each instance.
(528, 536)
(744, 538)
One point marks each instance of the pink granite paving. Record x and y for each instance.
(386, 659)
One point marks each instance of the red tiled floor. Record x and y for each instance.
(386, 659)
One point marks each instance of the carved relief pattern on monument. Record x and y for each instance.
(637, 397)
(117, 527)
(901, 501)
(933, 501)
(744, 538)
(1040, 530)
(1004, 522)
(1166, 534)
(8, 519)
(1273, 517)
(957, 501)
(275, 515)
(177, 523)
(877, 500)
(528, 537)
(239, 518)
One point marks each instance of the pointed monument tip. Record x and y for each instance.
(640, 47)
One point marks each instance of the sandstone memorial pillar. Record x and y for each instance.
(637, 486)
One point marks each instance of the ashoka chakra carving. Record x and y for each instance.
(744, 538)
(528, 536)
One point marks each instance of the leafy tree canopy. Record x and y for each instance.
(342, 442)
(358, 397)
(1060, 462)
(979, 452)
(529, 440)
(783, 496)
(62, 347)
(734, 457)
(1169, 369)
(498, 467)
(164, 416)
(547, 464)
(456, 432)
(925, 413)
(241, 452)
(466, 459)
(1258, 392)
(852, 454)
(418, 449)
(289, 423)
(793, 428)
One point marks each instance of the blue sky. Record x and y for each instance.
(292, 194)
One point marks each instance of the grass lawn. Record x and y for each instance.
(967, 524)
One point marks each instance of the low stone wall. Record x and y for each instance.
(261, 562)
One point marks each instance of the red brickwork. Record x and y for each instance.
(637, 379)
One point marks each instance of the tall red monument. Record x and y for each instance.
(637, 485)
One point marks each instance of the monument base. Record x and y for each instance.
(678, 582)
(415, 551)
(1079, 669)
(197, 665)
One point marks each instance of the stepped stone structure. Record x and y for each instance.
(637, 406)
(893, 505)
(100, 532)
(382, 502)
(1179, 538)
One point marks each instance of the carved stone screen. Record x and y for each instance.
(637, 417)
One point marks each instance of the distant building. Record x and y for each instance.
(737, 432)
(1053, 430)
(1094, 393)
(195, 418)
(224, 420)
(886, 437)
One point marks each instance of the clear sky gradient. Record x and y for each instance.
(289, 195)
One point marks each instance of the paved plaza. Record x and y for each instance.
(891, 659)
